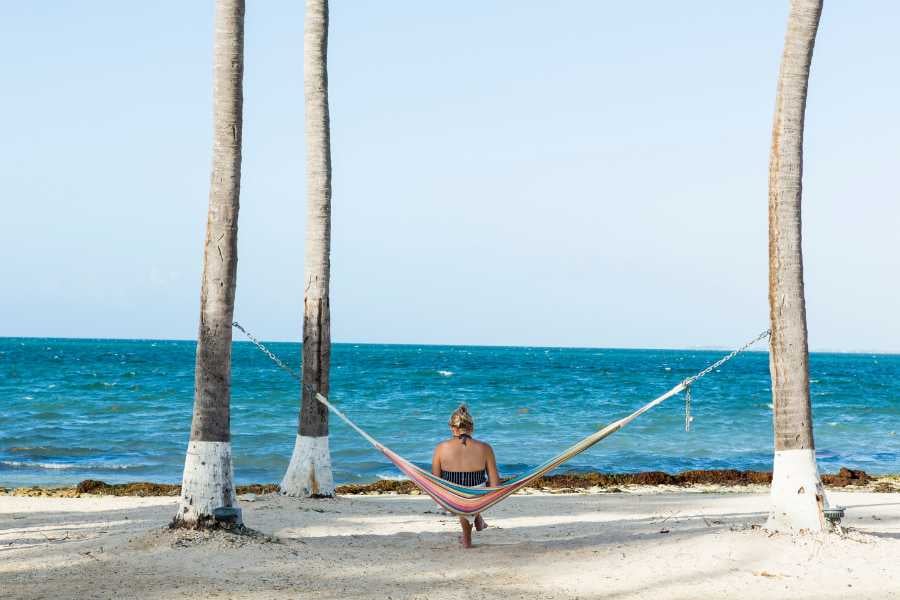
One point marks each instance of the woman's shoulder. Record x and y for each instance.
(444, 444)
(483, 445)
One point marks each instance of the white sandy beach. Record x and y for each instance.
(644, 543)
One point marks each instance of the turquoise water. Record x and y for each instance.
(120, 410)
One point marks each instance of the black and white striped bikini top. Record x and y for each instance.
(467, 478)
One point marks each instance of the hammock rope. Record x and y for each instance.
(469, 501)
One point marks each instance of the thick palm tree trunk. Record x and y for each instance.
(309, 472)
(208, 481)
(798, 497)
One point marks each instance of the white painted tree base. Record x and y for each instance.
(798, 497)
(208, 481)
(309, 472)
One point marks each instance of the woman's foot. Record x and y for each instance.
(466, 538)
(480, 525)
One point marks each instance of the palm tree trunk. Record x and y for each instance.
(798, 497)
(208, 481)
(309, 472)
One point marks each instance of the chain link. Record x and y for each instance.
(267, 352)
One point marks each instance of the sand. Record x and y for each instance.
(641, 543)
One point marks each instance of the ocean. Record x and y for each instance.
(120, 410)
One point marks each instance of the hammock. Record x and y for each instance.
(469, 501)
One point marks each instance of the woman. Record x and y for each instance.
(465, 461)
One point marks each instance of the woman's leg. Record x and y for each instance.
(480, 525)
(467, 532)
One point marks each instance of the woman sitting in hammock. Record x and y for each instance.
(464, 460)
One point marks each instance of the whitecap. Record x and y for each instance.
(18, 463)
(29, 397)
(391, 477)
(64, 466)
(445, 373)
(668, 368)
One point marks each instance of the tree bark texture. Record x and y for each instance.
(797, 495)
(309, 471)
(317, 267)
(787, 306)
(208, 475)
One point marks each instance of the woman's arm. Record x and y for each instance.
(493, 474)
(436, 461)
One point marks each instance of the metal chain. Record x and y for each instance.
(687, 382)
(687, 409)
(268, 352)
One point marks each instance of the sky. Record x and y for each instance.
(505, 173)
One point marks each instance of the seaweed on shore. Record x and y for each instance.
(379, 487)
(563, 481)
(845, 477)
(138, 488)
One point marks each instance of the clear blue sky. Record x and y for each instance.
(504, 172)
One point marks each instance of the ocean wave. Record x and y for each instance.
(20, 464)
(36, 453)
(445, 373)
(391, 477)
(98, 385)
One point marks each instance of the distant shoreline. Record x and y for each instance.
(574, 482)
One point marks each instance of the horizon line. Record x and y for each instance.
(710, 348)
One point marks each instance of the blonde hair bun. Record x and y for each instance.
(462, 420)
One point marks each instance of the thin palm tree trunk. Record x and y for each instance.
(208, 481)
(309, 472)
(798, 497)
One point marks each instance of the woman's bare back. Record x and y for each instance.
(465, 454)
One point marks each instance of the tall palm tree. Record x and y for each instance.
(208, 481)
(798, 497)
(309, 472)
